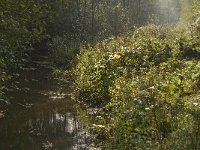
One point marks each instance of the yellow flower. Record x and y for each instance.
(117, 56)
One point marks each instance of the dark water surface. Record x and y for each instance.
(42, 115)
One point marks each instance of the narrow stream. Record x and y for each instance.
(42, 115)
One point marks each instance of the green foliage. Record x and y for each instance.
(63, 50)
(99, 66)
(190, 13)
(22, 25)
(153, 109)
(148, 87)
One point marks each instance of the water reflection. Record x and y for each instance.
(42, 117)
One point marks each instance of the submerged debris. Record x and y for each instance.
(47, 145)
(2, 114)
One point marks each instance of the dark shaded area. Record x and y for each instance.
(188, 52)
(40, 115)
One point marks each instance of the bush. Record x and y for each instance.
(98, 66)
(156, 112)
(148, 86)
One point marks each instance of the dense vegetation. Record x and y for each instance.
(23, 24)
(142, 75)
(147, 85)
(62, 26)
(144, 87)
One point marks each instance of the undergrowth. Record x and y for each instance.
(146, 85)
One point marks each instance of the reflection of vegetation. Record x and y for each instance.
(36, 118)
(22, 24)
(40, 126)
(64, 25)
(144, 83)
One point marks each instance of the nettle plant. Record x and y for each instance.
(147, 86)
(98, 66)
(153, 109)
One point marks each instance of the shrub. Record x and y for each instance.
(148, 86)
(151, 111)
(98, 66)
